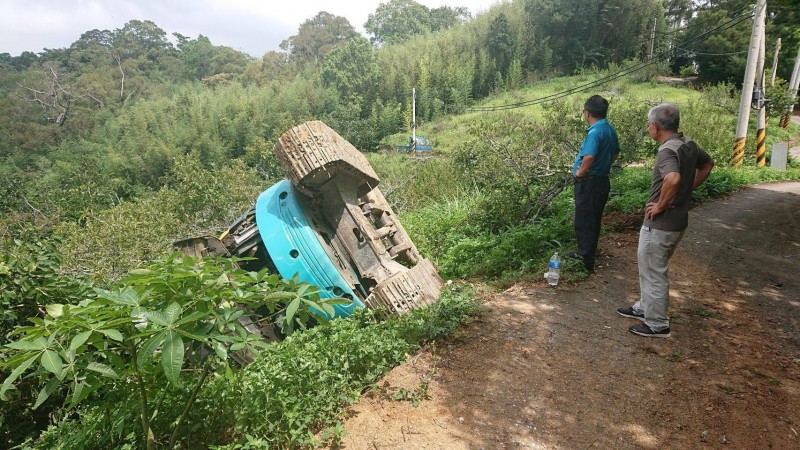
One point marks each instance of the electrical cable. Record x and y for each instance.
(636, 67)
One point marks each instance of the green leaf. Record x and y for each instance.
(16, 373)
(55, 310)
(193, 336)
(172, 356)
(280, 295)
(127, 296)
(157, 318)
(291, 310)
(113, 334)
(39, 343)
(220, 350)
(328, 309)
(79, 340)
(237, 346)
(172, 313)
(149, 348)
(140, 272)
(48, 389)
(102, 369)
(192, 317)
(302, 288)
(80, 393)
(52, 362)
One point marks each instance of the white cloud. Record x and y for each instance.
(247, 25)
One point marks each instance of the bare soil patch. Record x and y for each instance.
(556, 368)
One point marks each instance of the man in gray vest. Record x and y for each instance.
(681, 166)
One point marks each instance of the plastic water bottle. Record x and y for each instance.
(554, 271)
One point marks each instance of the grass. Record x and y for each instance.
(449, 132)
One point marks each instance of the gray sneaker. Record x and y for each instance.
(643, 330)
(630, 312)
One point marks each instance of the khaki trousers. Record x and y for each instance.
(655, 249)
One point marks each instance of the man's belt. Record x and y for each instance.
(588, 177)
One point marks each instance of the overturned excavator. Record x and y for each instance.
(329, 225)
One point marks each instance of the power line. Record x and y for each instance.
(695, 52)
(636, 67)
(611, 77)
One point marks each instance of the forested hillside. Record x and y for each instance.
(129, 139)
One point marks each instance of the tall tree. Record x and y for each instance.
(394, 22)
(141, 37)
(593, 32)
(500, 43)
(317, 36)
(353, 71)
(445, 17)
(721, 53)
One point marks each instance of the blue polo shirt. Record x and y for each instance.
(602, 143)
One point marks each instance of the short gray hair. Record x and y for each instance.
(666, 116)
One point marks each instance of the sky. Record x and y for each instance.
(250, 26)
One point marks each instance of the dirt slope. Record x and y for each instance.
(556, 368)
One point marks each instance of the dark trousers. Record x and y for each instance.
(591, 195)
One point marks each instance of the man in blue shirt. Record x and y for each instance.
(591, 167)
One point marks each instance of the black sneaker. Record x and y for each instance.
(576, 257)
(630, 312)
(643, 330)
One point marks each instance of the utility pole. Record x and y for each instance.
(413, 148)
(793, 86)
(775, 61)
(747, 87)
(761, 111)
(652, 40)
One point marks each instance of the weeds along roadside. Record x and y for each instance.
(481, 227)
(294, 392)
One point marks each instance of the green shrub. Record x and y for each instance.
(438, 226)
(195, 201)
(687, 71)
(726, 180)
(630, 189)
(29, 279)
(409, 183)
(300, 386)
(160, 332)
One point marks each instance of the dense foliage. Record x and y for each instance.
(292, 391)
(101, 121)
(123, 142)
(171, 324)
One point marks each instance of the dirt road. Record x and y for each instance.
(556, 368)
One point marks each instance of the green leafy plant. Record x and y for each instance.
(171, 324)
(30, 278)
(300, 386)
(414, 395)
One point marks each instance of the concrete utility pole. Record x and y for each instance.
(793, 86)
(761, 111)
(652, 40)
(775, 61)
(747, 86)
(413, 148)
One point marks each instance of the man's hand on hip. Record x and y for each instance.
(652, 210)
